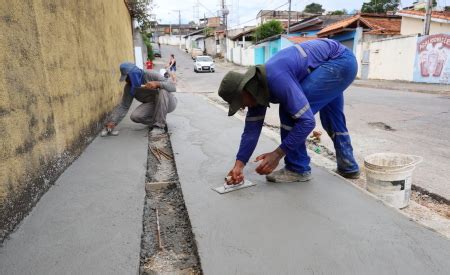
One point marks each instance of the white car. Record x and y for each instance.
(204, 63)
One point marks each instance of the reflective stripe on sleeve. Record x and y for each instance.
(254, 118)
(301, 112)
(301, 50)
(286, 127)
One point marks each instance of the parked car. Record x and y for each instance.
(196, 52)
(204, 63)
(156, 50)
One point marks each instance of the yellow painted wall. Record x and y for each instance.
(415, 26)
(58, 78)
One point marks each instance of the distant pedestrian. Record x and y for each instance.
(159, 45)
(172, 67)
(149, 64)
(153, 90)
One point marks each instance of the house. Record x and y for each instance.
(362, 26)
(243, 39)
(312, 25)
(268, 47)
(214, 42)
(195, 40)
(413, 22)
(211, 22)
(175, 29)
(282, 16)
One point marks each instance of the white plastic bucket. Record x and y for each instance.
(389, 177)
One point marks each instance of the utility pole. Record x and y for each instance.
(224, 14)
(179, 25)
(429, 8)
(289, 18)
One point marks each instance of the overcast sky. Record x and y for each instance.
(244, 10)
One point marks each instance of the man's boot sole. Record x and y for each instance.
(352, 176)
(275, 181)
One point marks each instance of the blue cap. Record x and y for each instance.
(125, 68)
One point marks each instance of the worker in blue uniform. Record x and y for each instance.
(303, 79)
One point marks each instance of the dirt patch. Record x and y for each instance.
(431, 201)
(171, 246)
(381, 126)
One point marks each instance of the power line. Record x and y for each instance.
(262, 14)
(199, 3)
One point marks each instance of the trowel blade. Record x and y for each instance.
(221, 189)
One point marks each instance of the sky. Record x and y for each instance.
(242, 11)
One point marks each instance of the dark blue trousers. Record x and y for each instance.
(324, 88)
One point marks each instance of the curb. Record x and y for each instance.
(404, 88)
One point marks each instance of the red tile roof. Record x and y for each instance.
(378, 24)
(435, 14)
(335, 27)
(300, 39)
(383, 25)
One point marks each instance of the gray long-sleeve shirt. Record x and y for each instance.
(141, 95)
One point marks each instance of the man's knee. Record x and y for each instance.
(135, 117)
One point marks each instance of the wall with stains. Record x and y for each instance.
(58, 79)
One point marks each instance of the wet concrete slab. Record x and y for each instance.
(325, 226)
(90, 221)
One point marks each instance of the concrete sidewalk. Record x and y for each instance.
(90, 222)
(325, 226)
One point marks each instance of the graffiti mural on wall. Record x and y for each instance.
(432, 63)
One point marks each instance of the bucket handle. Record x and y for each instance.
(417, 160)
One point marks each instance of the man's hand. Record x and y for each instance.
(236, 174)
(269, 161)
(152, 85)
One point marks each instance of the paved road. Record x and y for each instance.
(191, 81)
(420, 122)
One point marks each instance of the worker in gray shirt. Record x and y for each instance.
(153, 90)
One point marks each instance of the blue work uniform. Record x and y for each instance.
(304, 79)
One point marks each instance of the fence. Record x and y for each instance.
(174, 40)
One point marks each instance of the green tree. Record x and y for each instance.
(146, 37)
(380, 6)
(268, 29)
(140, 10)
(338, 12)
(314, 8)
